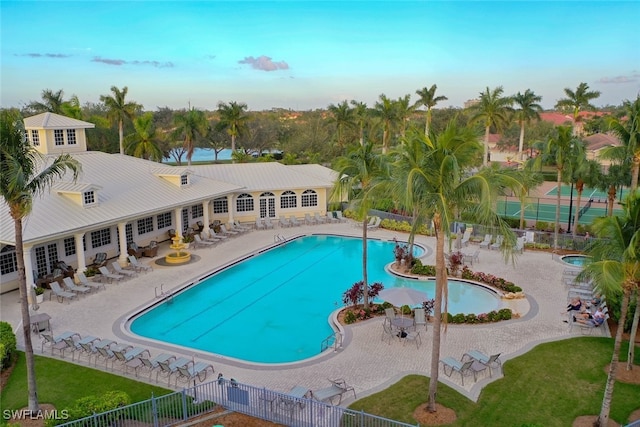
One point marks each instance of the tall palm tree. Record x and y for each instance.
(24, 175)
(233, 119)
(430, 176)
(492, 110)
(51, 102)
(362, 174)
(190, 125)
(385, 110)
(586, 173)
(343, 117)
(615, 269)
(118, 109)
(529, 178)
(360, 115)
(527, 110)
(627, 129)
(144, 142)
(576, 101)
(562, 150)
(404, 109)
(428, 99)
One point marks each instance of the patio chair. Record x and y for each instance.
(259, 224)
(487, 241)
(237, 229)
(60, 294)
(130, 358)
(80, 290)
(199, 225)
(471, 257)
(492, 362)
(294, 399)
(412, 336)
(294, 221)
(67, 270)
(519, 245)
(106, 274)
(134, 250)
(268, 223)
(419, 318)
(172, 233)
(308, 220)
(82, 279)
(390, 313)
(137, 266)
(375, 224)
(100, 260)
(319, 219)
(193, 371)
(54, 344)
(498, 242)
(339, 216)
(465, 237)
(331, 218)
(387, 332)
(169, 367)
(119, 270)
(284, 222)
(470, 367)
(153, 364)
(151, 251)
(337, 389)
(237, 225)
(226, 232)
(198, 242)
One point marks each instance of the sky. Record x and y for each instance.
(304, 55)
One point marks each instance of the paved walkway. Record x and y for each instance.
(366, 362)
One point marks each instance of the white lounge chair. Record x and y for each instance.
(268, 223)
(487, 241)
(137, 265)
(309, 220)
(337, 389)
(210, 235)
(284, 222)
(340, 217)
(68, 283)
(119, 270)
(375, 223)
(471, 257)
(227, 232)
(465, 237)
(82, 279)
(259, 224)
(319, 219)
(236, 228)
(106, 274)
(491, 362)
(193, 371)
(294, 221)
(498, 243)
(60, 294)
(519, 245)
(198, 242)
(451, 365)
(239, 226)
(331, 218)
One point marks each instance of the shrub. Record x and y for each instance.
(350, 317)
(355, 294)
(423, 270)
(88, 405)
(7, 344)
(428, 306)
(542, 225)
(458, 318)
(504, 314)
(471, 318)
(489, 279)
(91, 271)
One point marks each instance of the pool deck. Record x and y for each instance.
(366, 362)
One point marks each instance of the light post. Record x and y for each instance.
(570, 209)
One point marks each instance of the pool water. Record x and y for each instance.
(576, 260)
(274, 307)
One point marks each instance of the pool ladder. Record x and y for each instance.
(279, 238)
(164, 296)
(334, 340)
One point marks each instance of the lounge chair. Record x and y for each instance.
(199, 225)
(119, 270)
(194, 371)
(129, 357)
(237, 225)
(319, 219)
(337, 389)
(67, 271)
(214, 235)
(465, 237)
(294, 398)
(268, 223)
(106, 274)
(492, 362)
(419, 318)
(451, 365)
(137, 266)
(519, 245)
(259, 224)
(68, 283)
(226, 232)
(74, 344)
(106, 354)
(60, 294)
(82, 279)
(340, 217)
(237, 229)
(331, 218)
(487, 241)
(284, 222)
(294, 221)
(55, 344)
(309, 220)
(198, 242)
(151, 250)
(100, 260)
(498, 242)
(153, 364)
(375, 224)
(471, 257)
(169, 367)
(134, 250)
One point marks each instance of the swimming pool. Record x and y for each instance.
(274, 307)
(576, 260)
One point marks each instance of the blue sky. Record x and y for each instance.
(305, 55)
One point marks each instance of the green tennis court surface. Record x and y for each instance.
(547, 212)
(587, 193)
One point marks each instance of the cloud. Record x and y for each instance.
(264, 63)
(119, 62)
(620, 79)
(45, 55)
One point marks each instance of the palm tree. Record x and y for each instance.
(403, 112)
(118, 109)
(360, 115)
(343, 117)
(528, 109)
(493, 111)
(233, 119)
(363, 173)
(586, 173)
(562, 149)
(25, 174)
(430, 177)
(385, 110)
(144, 142)
(428, 99)
(627, 129)
(190, 125)
(529, 178)
(51, 102)
(615, 269)
(576, 102)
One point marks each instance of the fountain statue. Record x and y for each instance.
(180, 256)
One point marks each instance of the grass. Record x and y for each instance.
(61, 383)
(549, 386)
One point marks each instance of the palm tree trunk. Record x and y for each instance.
(556, 228)
(385, 140)
(634, 331)
(611, 199)
(577, 212)
(522, 208)
(233, 143)
(121, 135)
(428, 122)
(26, 319)
(365, 279)
(603, 418)
(635, 169)
(441, 281)
(521, 143)
(485, 158)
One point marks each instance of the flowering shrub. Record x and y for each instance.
(423, 270)
(355, 294)
(455, 261)
(489, 279)
(492, 316)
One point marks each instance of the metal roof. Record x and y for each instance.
(55, 121)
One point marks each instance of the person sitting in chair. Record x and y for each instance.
(595, 319)
(575, 304)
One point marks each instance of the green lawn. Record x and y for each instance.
(549, 386)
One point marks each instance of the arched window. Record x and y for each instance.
(309, 198)
(288, 200)
(244, 203)
(267, 205)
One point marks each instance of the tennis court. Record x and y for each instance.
(587, 193)
(536, 211)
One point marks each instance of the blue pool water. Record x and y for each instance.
(274, 307)
(576, 260)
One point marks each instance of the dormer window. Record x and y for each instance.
(184, 179)
(89, 197)
(35, 137)
(58, 136)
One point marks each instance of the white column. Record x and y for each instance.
(28, 272)
(122, 259)
(230, 207)
(82, 262)
(205, 214)
(178, 214)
